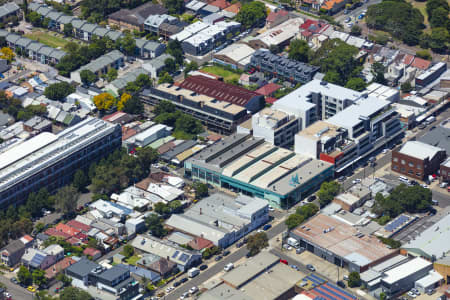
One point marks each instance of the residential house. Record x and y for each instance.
(7, 10)
(149, 49)
(52, 271)
(91, 252)
(134, 19)
(276, 17)
(155, 66)
(12, 253)
(37, 259)
(160, 265)
(56, 251)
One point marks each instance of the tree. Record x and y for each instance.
(46, 22)
(439, 17)
(164, 107)
(354, 280)
(170, 65)
(104, 101)
(155, 225)
(174, 48)
(161, 208)
(294, 220)
(111, 75)
(128, 45)
(176, 206)
(425, 54)
(34, 18)
(143, 81)
(192, 66)
(431, 7)
(66, 280)
(188, 124)
(58, 91)
(256, 242)
(356, 30)
(133, 106)
(24, 276)
(438, 39)
(252, 14)
(201, 190)
(80, 180)
(356, 83)
(123, 100)
(165, 78)
(66, 199)
(299, 50)
(128, 251)
(174, 6)
(378, 73)
(146, 157)
(87, 77)
(68, 30)
(72, 293)
(406, 87)
(7, 53)
(327, 192)
(39, 277)
(383, 296)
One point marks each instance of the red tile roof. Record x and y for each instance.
(67, 229)
(58, 267)
(314, 26)
(214, 137)
(421, 63)
(79, 225)
(91, 252)
(27, 238)
(271, 100)
(234, 8)
(408, 59)
(127, 133)
(268, 89)
(54, 232)
(219, 90)
(222, 4)
(200, 243)
(74, 241)
(273, 16)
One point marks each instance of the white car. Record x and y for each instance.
(349, 25)
(184, 296)
(193, 290)
(384, 151)
(271, 208)
(355, 181)
(424, 186)
(169, 289)
(411, 294)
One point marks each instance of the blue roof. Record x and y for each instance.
(398, 222)
(126, 210)
(37, 260)
(141, 272)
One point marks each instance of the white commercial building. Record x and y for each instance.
(275, 126)
(222, 219)
(148, 136)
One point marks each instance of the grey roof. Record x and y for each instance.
(178, 149)
(3, 32)
(211, 8)
(419, 150)
(8, 8)
(23, 42)
(83, 267)
(113, 273)
(54, 15)
(77, 23)
(64, 19)
(12, 38)
(101, 31)
(34, 6)
(35, 46)
(46, 50)
(158, 62)
(88, 27)
(439, 137)
(152, 46)
(102, 61)
(58, 54)
(122, 81)
(141, 272)
(223, 292)
(44, 10)
(4, 118)
(212, 17)
(42, 236)
(114, 35)
(14, 246)
(140, 43)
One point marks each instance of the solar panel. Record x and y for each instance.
(315, 281)
(317, 278)
(338, 296)
(396, 223)
(341, 290)
(318, 290)
(184, 257)
(175, 254)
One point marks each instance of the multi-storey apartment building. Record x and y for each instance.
(50, 160)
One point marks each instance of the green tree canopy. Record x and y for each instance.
(165, 78)
(67, 199)
(87, 77)
(80, 180)
(252, 13)
(201, 190)
(299, 50)
(134, 106)
(356, 30)
(354, 280)
(72, 293)
(128, 251)
(378, 70)
(256, 242)
(68, 29)
(58, 91)
(174, 6)
(327, 192)
(24, 276)
(155, 225)
(39, 278)
(356, 83)
(294, 220)
(111, 75)
(174, 48)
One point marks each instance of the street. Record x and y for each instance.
(15, 290)
(218, 267)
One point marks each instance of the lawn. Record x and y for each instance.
(219, 71)
(132, 260)
(48, 38)
(422, 7)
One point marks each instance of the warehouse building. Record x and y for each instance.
(249, 165)
(50, 160)
(278, 36)
(222, 219)
(219, 116)
(341, 244)
(147, 136)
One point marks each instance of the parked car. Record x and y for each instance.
(299, 250)
(287, 247)
(203, 267)
(14, 280)
(193, 290)
(218, 257)
(226, 252)
(341, 284)
(312, 198)
(310, 267)
(385, 151)
(183, 280)
(271, 208)
(267, 227)
(169, 289)
(355, 181)
(239, 244)
(295, 267)
(283, 261)
(341, 179)
(185, 295)
(248, 255)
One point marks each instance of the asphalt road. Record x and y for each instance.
(218, 267)
(340, 17)
(15, 290)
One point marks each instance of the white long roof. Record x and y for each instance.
(419, 150)
(405, 270)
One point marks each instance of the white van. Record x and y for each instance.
(228, 267)
(403, 179)
(193, 272)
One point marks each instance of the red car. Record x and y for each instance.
(283, 261)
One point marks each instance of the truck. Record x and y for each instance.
(431, 119)
(193, 272)
(293, 242)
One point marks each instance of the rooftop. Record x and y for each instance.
(405, 270)
(281, 33)
(343, 240)
(439, 137)
(320, 130)
(236, 51)
(419, 150)
(82, 267)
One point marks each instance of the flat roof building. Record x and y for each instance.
(236, 55)
(341, 244)
(277, 36)
(49, 160)
(252, 166)
(222, 219)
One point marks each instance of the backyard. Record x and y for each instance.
(222, 72)
(48, 38)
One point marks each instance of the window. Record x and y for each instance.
(418, 174)
(403, 162)
(444, 172)
(395, 167)
(411, 164)
(411, 172)
(402, 169)
(419, 167)
(395, 159)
